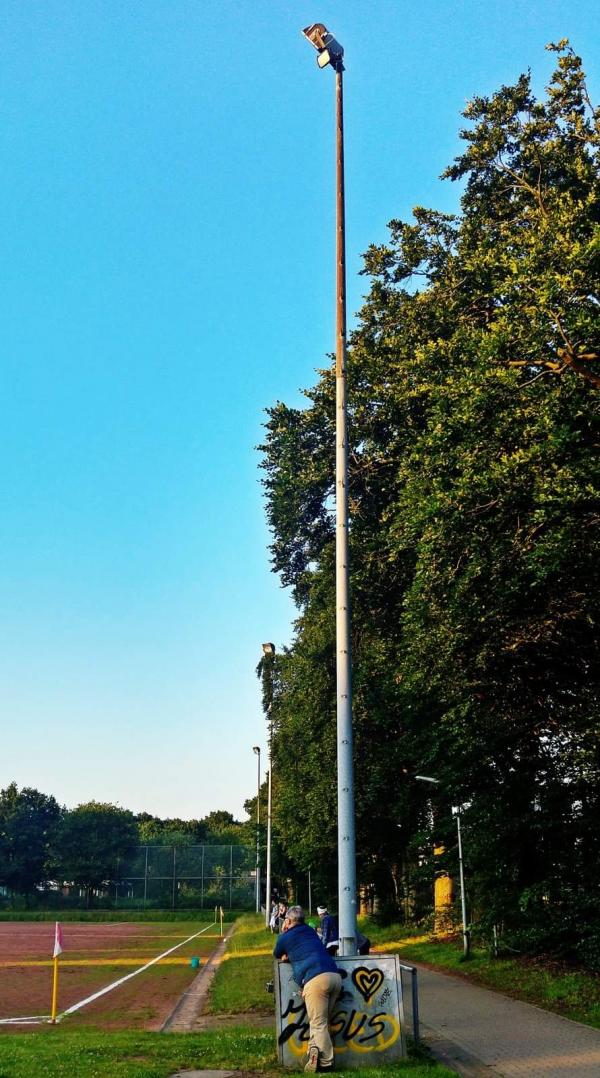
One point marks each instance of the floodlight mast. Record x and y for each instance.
(269, 649)
(330, 52)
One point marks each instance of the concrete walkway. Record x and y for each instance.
(184, 1015)
(479, 1032)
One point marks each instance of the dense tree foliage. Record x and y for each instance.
(283, 867)
(473, 378)
(91, 839)
(28, 821)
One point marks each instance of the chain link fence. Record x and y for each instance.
(185, 878)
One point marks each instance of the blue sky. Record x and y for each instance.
(166, 203)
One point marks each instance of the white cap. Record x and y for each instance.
(321, 909)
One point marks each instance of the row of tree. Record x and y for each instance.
(475, 541)
(43, 843)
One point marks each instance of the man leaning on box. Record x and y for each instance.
(316, 973)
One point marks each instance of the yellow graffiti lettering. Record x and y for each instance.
(355, 1032)
(379, 1032)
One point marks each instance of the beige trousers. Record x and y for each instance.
(321, 995)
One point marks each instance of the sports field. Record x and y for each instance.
(103, 982)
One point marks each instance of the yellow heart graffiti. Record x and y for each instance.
(368, 981)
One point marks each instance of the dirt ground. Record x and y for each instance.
(94, 956)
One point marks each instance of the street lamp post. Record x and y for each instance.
(463, 902)
(269, 810)
(466, 936)
(267, 670)
(256, 750)
(330, 52)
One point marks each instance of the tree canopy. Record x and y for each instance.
(91, 838)
(28, 822)
(473, 437)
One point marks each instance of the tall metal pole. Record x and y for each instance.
(258, 837)
(146, 878)
(265, 671)
(269, 811)
(346, 830)
(331, 53)
(463, 904)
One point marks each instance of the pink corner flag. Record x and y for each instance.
(58, 941)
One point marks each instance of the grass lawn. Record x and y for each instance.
(132, 1055)
(158, 1055)
(239, 986)
(571, 993)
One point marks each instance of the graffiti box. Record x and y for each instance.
(367, 1026)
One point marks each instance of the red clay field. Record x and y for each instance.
(94, 957)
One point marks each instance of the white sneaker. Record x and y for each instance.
(313, 1059)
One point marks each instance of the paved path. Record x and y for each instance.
(480, 1032)
(183, 1017)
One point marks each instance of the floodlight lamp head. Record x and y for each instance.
(256, 749)
(268, 648)
(329, 51)
(316, 34)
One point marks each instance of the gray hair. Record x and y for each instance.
(296, 914)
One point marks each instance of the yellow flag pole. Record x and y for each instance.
(54, 991)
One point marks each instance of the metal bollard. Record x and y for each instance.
(414, 973)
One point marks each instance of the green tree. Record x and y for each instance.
(171, 832)
(222, 829)
(28, 820)
(90, 840)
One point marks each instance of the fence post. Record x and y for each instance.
(146, 879)
(174, 876)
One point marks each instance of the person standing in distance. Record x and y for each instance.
(330, 933)
(316, 973)
(329, 929)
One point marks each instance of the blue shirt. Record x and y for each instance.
(306, 953)
(329, 929)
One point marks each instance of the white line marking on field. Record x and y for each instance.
(115, 984)
(22, 1021)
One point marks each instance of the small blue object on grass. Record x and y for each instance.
(194, 963)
